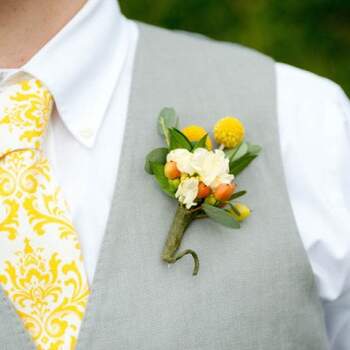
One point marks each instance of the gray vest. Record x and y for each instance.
(255, 289)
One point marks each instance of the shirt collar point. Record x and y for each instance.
(86, 137)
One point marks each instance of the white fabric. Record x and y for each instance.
(88, 67)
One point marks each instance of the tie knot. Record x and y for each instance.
(25, 109)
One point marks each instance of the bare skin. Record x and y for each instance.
(27, 25)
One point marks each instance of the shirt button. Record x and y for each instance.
(86, 133)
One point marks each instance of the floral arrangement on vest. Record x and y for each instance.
(200, 178)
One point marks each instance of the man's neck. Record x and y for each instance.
(26, 26)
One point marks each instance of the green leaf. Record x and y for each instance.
(158, 155)
(201, 143)
(179, 140)
(167, 119)
(239, 165)
(241, 157)
(237, 195)
(241, 151)
(231, 152)
(158, 171)
(221, 216)
(237, 152)
(254, 149)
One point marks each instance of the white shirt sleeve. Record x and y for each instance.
(314, 123)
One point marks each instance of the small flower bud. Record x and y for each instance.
(210, 200)
(243, 210)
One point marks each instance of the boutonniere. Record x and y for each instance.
(201, 178)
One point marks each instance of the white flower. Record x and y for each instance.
(183, 159)
(222, 179)
(212, 167)
(187, 192)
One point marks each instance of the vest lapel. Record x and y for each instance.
(13, 335)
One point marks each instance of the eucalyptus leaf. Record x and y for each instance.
(237, 152)
(254, 149)
(158, 171)
(231, 152)
(241, 151)
(158, 155)
(201, 143)
(220, 216)
(167, 119)
(179, 140)
(239, 165)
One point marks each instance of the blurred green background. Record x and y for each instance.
(311, 34)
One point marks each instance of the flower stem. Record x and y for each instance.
(183, 218)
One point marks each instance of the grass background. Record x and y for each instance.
(311, 34)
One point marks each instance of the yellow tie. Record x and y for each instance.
(41, 267)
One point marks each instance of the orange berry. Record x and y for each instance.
(203, 190)
(171, 171)
(224, 192)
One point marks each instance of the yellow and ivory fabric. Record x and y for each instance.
(41, 267)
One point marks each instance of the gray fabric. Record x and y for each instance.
(12, 334)
(255, 289)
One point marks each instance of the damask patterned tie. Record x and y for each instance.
(41, 267)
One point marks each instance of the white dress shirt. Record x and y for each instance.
(88, 67)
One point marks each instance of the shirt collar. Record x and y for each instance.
(81, 66)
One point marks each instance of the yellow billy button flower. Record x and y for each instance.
(229, 132)
(242, 209)
(194, 133)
